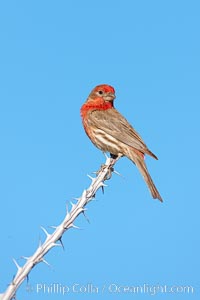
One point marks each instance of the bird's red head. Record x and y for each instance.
(100, 98)
(103, 92)
(105, 88)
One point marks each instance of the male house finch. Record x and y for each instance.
(110, 131)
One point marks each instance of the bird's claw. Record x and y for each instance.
(109, 173)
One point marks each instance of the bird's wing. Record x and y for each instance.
(114, 124)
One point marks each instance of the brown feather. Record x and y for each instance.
(114, 124)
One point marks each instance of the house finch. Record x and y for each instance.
(110, 131)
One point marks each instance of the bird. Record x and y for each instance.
(111, 132)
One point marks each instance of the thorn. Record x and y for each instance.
(47, 234)
(86, 215)
(118, 173)
(77, 199)
(56, 244)
(52, 226)
(61, 242)
(74, 226)
(16, 264)
(45, 262)
(95, 172)
(25, 257)
(103, 184)
(91, 177)
(72, 204)
(83, 209)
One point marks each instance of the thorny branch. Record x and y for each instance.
(54, 239)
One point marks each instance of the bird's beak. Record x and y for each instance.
(109, 97)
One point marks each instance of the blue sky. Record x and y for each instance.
(52, 54)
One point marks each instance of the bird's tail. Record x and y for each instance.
(139, 161)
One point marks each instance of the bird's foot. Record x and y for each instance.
(114, 159)
(109, 173)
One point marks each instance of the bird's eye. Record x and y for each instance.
(100, 92)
